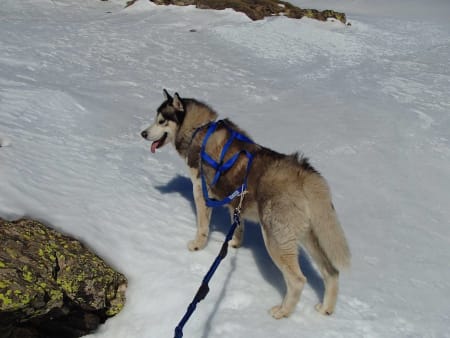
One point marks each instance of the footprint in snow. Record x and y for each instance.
(4, 141)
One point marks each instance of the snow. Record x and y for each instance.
(368, 103)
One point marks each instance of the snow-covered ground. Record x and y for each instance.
(368, 103)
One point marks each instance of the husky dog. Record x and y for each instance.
(286, 195)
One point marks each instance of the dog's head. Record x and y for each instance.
(169, 117)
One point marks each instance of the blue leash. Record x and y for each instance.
(220, 168)
(204, 288)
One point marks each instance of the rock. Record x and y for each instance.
(259, 9)
(51, 285)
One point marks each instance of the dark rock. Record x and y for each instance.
(51, 285)
(259, 9)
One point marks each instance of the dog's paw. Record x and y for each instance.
(279, 312)
(196, 245)
(323, 310)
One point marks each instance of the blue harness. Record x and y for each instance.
(222, 167)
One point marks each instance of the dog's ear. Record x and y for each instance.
(177, 103)
(167, 95)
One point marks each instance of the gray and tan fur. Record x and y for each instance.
(286, 195)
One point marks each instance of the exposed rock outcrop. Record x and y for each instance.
(51, 285)
(258, 9)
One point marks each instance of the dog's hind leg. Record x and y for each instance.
(329, 273)
(203, 214)
(284, 252)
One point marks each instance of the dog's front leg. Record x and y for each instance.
(238, 235)
(203, 214)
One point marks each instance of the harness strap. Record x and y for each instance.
(222, 167)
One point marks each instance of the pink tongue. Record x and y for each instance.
(154, 146)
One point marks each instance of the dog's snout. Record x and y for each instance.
(144, 134)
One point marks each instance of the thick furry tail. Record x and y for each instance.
(332, 240)
(327, 229)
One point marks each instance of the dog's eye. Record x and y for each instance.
(161, 122)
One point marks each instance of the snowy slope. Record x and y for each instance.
(367, 103)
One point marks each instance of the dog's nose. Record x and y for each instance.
(144, 134)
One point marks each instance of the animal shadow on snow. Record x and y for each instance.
(253, 240)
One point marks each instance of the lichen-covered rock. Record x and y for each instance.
(258, 9)
(51, 285)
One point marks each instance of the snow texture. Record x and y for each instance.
(368, 103)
